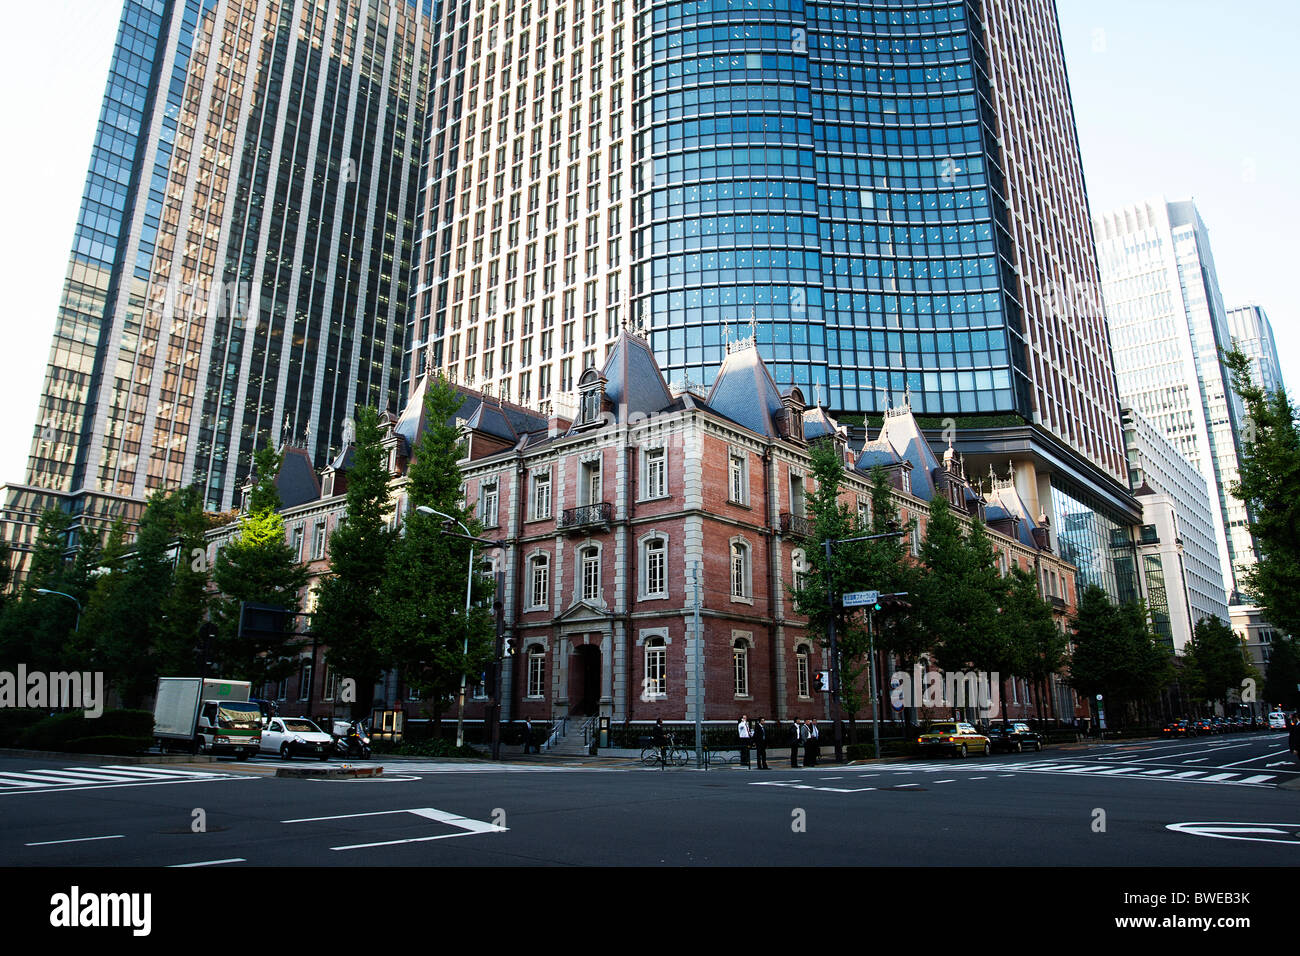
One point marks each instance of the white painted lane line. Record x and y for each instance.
(1197, 760)
(116, 836)
(168, 771)
(1115, 770)
(979, 778)
(1152, 773)
(47, 788)
(82, 776)
(1006, 775)
(237, 859)
(1187, 773)
(19, 783)
(1219, 776)
(1258, 778)
(953, 780)
(1279, 753)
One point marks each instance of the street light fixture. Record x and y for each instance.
(469, 587)
(77, 625)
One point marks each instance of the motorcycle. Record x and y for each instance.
(351, 739)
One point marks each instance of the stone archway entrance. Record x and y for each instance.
(584, 680)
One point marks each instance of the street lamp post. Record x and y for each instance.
(76, 626)
(469, 590)
(831, 600)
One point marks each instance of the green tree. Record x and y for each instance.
(185, 608)
(1116, 654)
(854, 566)
(1269, 484)
(962, 594)
(421, 607)
(257, 567)
(39, 629)
(347, 610)
(1282, 677)
(1214, 661)
(1037, 646)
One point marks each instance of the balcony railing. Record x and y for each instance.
(799, 525)
(585, 515)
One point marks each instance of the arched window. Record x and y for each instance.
(741, 589)
(539, 578)
(589, 573)
(656, 668)
(798, 568)
(740, 666)
(803, 675)
(536, 671)
(654, 567)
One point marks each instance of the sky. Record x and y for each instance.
(1180, 98)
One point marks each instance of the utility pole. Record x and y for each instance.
(832, 599)
(699, 670)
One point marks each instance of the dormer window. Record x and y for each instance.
(591, 397)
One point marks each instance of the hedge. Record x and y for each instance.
(62, 732)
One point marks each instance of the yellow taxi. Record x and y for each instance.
(954, 736)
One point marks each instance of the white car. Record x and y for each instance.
(295, 736)
(1277, 720)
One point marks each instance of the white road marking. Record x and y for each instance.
(116, 836)
(1260, 757)
(1187, 773)
(1258, 778)
(237, 859)
(1220, 776)
(470, 827)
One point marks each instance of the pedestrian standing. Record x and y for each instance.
(742, 730)
(528, 735)
(796, 741)
(811, 745)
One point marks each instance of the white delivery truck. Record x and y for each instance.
(206, 715)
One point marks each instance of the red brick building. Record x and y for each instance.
(614, 519)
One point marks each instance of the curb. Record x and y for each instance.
(330, 773)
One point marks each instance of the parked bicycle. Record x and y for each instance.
(669, 754)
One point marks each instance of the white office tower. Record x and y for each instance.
(1251, 330)
(1167, 324)
(1178, 556)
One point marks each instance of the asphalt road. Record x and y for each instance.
(1204, 802)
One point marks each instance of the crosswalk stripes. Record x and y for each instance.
(39, 780)
(1203, 775)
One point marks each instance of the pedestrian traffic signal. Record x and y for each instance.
(823, 680)
(510, 647)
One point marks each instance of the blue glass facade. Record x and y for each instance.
(828, 172)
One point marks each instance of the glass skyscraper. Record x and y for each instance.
(240, 271)
(109, 270)
(890, 193)
(1168, 326)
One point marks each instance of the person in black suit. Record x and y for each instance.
(810, 743)
(796, 741)
(760, 743)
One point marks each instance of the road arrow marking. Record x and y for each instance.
(1254, 832)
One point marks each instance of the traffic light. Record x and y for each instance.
(509, 647)
(895, 602)
(823, 680)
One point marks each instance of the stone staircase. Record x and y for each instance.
(569, 740)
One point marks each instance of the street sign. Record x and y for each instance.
(860, 598)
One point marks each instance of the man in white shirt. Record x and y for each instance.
(742, 730)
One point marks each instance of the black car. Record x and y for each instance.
(1013, 738)
(1178, 728)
